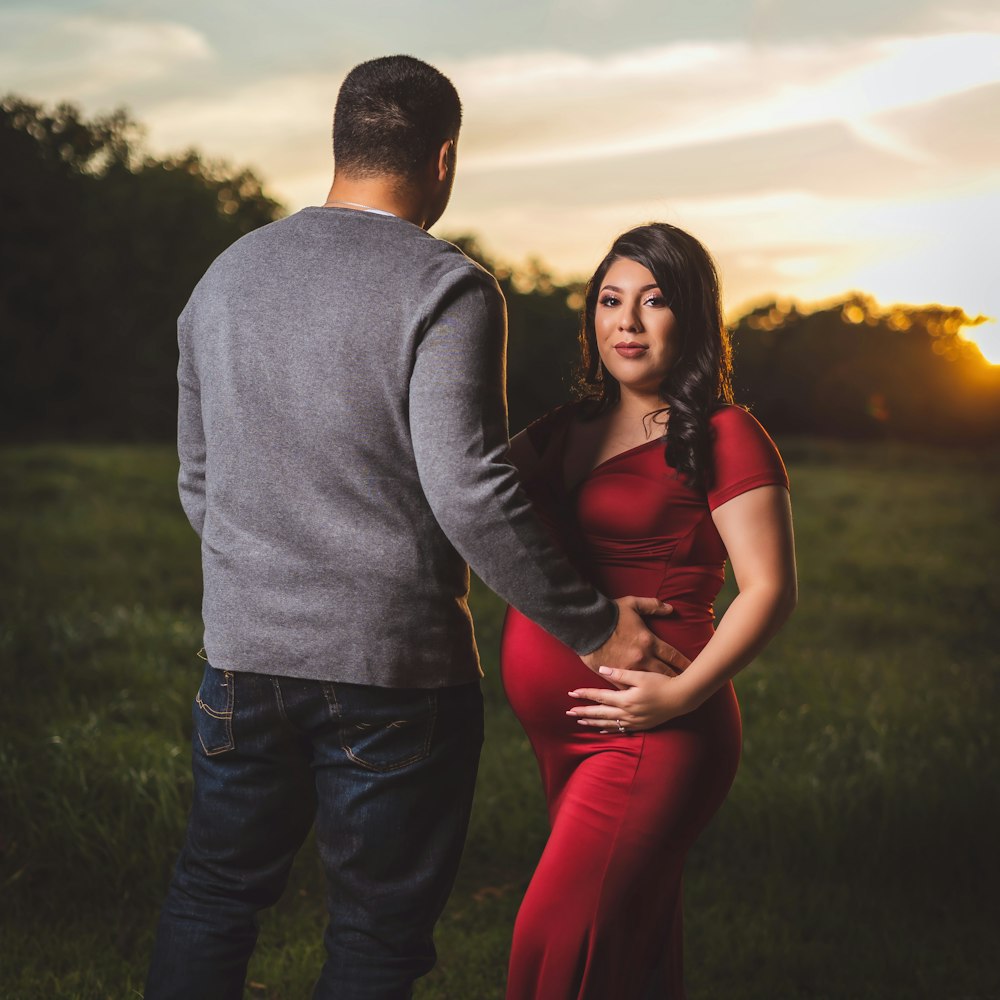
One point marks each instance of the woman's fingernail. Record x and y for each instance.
(604, 670)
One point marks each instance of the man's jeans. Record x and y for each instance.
(387, 775)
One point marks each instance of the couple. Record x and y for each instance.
(344, 458)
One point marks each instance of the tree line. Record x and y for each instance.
(101, 244)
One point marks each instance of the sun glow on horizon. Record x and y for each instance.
(812, 165)
(986, 336)
(772, 311)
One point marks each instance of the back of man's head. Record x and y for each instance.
(392, 116)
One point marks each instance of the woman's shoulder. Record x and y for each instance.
(743, 455)
(731, 418)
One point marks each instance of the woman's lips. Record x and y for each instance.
(627, 350)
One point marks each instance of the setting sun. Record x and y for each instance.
(987, 338)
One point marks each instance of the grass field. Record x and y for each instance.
(856, 857)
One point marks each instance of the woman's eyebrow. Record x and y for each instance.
(615, 288)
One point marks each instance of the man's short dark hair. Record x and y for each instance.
(392, 115)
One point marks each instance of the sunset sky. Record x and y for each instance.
(816, 148)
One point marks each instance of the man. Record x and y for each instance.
(342, 437)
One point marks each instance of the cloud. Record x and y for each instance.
(280, 126)
(701, 111)
(953, 129)
(543, 108)
(939, 247)
(969, 15)
(809, 168)
(586, 8)
(89, 56)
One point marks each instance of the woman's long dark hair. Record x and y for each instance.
(700, 380)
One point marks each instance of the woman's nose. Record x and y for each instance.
(628, 319)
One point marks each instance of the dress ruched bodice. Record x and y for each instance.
(634, 527)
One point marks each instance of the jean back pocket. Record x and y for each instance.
(213, 711)
(384, 729)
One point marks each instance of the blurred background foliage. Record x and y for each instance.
(863, 821)
(101, 243)
(100, 246)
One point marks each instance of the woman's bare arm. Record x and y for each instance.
(756, 528)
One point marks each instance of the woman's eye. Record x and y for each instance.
(608, 300)
(655, 300)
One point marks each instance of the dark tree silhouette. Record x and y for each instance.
(543, 322)
(852, 370)
(101, 245)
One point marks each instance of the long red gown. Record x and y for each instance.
(601, 919)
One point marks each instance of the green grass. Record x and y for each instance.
(856, 856)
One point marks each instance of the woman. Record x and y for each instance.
(649, 483)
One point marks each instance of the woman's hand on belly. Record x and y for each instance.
(643, 700)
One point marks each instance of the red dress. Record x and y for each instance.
(601, 919)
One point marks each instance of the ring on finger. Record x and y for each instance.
(621, 726)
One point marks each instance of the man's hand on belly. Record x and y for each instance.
(632, 646)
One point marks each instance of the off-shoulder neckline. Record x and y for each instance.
(556, 465)
(600, 465)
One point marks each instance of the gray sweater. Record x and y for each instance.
(342, 435)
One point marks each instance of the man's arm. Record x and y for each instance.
(190, 433)
(458, 423)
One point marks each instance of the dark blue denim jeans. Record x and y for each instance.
(386, 774)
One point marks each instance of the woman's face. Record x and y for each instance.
(637, 335)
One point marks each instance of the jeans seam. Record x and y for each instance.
(280, 700)
(433, 723)
(330, 693)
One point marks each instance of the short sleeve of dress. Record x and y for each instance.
(744, 456)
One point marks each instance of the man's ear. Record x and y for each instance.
(446, 159)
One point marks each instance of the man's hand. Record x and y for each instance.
(632, 646)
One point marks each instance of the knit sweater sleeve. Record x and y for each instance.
(458, 423)
(190, 432)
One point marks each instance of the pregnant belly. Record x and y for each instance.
(539, 671)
